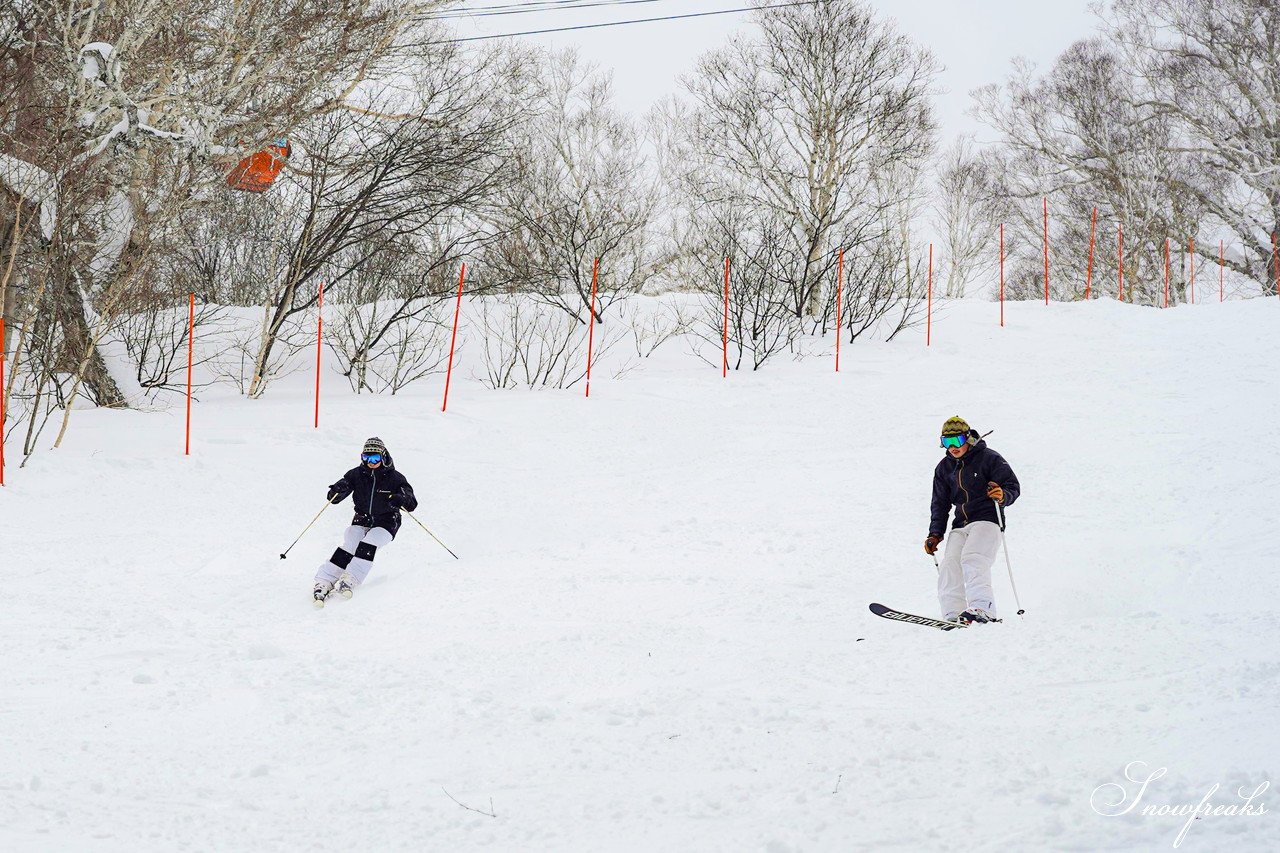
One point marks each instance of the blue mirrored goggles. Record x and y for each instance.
(949, 441)
(371, 458)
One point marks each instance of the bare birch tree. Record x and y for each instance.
(797, 119)
(1083, 136)
(967, 216)
(1213, 67)
(581, 192)
(378, 179)
(128, 109)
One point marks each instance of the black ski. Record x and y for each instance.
(899, 616)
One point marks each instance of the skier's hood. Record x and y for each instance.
(973, 448)
(387, 465)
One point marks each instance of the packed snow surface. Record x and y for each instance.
(657, 635)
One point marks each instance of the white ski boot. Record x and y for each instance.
(320, 592)
(976, 615)
(346, 585)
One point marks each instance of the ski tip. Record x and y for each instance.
(911, 618)
(319, 602)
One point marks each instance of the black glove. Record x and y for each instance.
(335, 496)
(396, 500)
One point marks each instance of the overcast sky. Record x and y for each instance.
(974, 41)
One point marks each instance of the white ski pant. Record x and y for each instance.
(359, 546)
(964, 580)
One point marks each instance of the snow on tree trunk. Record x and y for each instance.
(33, 184)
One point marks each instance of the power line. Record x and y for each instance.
(623, 23)
(550, 4)
(522, 8)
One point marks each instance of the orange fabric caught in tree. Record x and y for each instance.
(258, 171)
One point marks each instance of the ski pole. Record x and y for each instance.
(1004, 545)
(304, 531)
(432, 535)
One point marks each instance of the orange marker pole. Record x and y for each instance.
(454, 341)
(928, 323)
(191, 340)
(1001, 275)
(839, 305)
(591, 328)
(1222, 259)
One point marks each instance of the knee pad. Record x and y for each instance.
(365, 551)
(342, 558)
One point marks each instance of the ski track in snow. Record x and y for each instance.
(657, 636)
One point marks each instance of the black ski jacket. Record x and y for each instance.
(371, 490)
(962, 483)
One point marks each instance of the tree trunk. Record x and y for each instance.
(270, 334)
(813, 301)
(97, 382)
(9, 311)
(10, 234)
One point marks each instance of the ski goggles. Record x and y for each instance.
(954, 440)
(371, 458)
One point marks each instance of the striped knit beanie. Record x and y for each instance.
(374, 445)
(955, 426)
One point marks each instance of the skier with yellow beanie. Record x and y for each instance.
(973, 479)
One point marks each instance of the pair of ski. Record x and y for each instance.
(910, 618)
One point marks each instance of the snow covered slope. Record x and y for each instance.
(657, 637)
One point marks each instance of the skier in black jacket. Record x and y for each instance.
(973, 478)
(379, 492)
